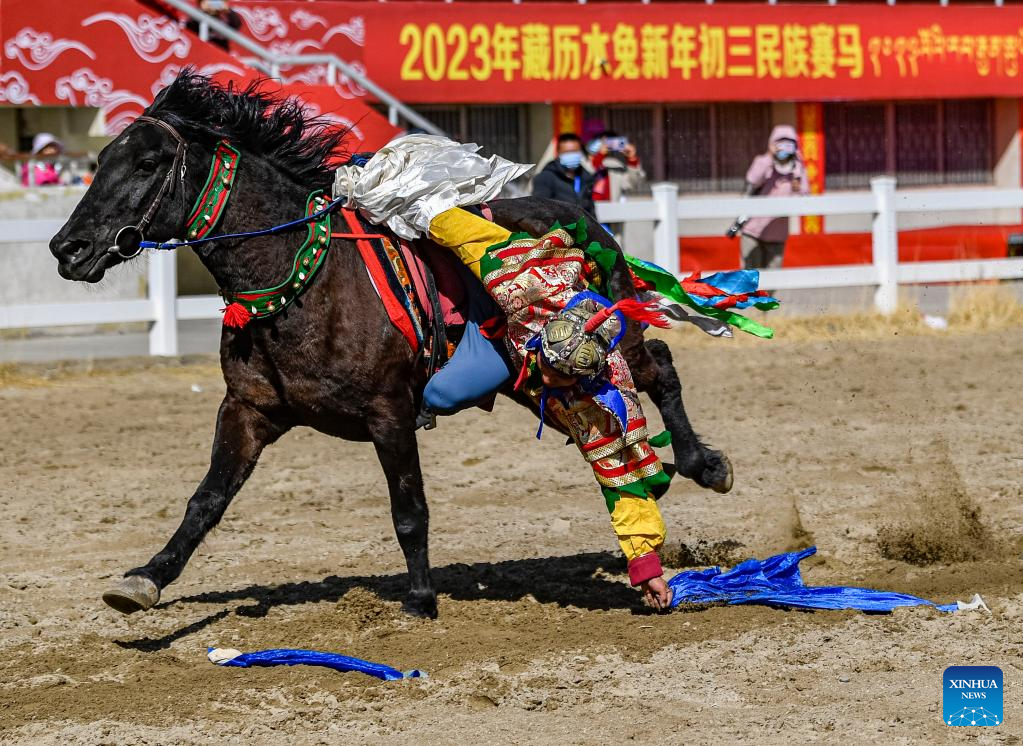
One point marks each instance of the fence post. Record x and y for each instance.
(885, 240)
(666, 228)
(163, 294)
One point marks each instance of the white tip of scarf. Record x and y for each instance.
(974, 604)
(222, 655)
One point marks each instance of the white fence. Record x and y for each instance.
(162, 308)
(883, 202)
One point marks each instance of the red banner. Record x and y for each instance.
(505, 52)
(115, 55)
(810, 123)
(567, 118)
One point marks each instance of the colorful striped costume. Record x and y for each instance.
(414, 186)
(532, 279)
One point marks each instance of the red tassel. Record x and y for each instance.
(648, 313)
(632, 309)
(237, 316)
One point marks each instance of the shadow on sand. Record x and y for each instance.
(572, 580)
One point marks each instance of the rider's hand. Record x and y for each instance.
(657, 593)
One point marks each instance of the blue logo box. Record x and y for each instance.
(972, 695)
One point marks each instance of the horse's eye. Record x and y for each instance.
(147, 164)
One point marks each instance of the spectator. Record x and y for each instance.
(45, 171)
(617, 167)
(220, 10)
(564, 178)
(777, 173)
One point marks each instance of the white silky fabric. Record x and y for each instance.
(414, 178)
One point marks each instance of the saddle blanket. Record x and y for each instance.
(398, 272)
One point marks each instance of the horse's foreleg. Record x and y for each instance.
(399, 456)
(656, 375)
(242, 432)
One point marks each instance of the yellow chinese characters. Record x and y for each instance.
(660, 51)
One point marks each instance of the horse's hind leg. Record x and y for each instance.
(656, 375)
(399, 456)
(242, 433)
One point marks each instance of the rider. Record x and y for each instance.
(561, 336)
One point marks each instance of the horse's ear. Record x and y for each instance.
(184, 75)
(159, 97)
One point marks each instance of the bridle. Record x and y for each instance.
(128, 241)
(244, 305)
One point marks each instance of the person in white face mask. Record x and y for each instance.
(777, 173)
(565, 178)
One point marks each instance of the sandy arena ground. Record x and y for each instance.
(899, 457)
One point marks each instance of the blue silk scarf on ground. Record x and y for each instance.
(776, 581)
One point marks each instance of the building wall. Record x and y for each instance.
(541, 132)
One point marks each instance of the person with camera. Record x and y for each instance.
(777, 173)
(617, 166)
(564, 178)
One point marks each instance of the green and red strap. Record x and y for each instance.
(247, 305)
(213, 198)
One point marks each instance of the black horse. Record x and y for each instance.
(332, 360)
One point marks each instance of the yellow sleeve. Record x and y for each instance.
(467, 235)
(638, 524)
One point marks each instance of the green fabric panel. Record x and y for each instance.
(613, 494)
(636, 489)
(488, 263)
(661, 440)
(657, 480)
(611, 497)
(643, 488)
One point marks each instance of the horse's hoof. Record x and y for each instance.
(719, 475)
(422, 605)
(133, 593)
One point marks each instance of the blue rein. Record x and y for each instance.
(177, 243)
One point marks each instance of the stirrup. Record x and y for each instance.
(426, 420)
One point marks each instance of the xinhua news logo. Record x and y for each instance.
(972, 695)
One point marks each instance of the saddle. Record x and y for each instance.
(442, 311)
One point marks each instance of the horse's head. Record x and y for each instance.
(138, 189)
(150, 176)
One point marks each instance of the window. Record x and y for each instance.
(855, 143)
(687, 147)
(741, 132)
(944, 142)
(968, 141)
(497, 129)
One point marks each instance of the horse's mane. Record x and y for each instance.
(274, 126)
